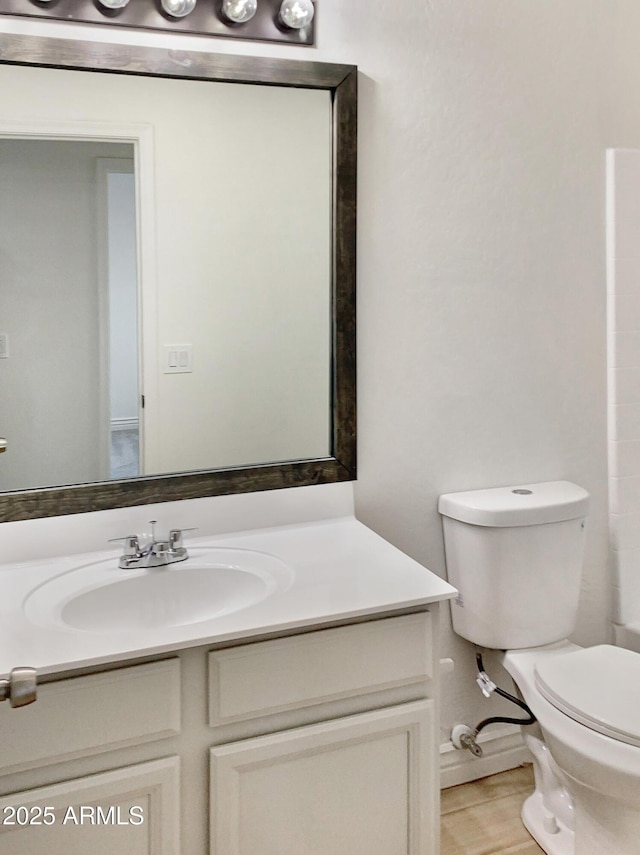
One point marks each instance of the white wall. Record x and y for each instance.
(484, 364)
(481, 260)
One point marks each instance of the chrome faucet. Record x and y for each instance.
(156, 553)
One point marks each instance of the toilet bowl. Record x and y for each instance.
(586, 751)
(514, 554)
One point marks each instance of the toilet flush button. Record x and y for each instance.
(521, 492)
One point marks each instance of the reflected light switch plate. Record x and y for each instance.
(177, 359)
(4, 346)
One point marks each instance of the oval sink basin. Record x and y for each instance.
(100, 597)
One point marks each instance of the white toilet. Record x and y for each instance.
(515, 556)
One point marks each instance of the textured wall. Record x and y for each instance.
(482, 296)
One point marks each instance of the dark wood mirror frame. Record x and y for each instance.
(341, 82)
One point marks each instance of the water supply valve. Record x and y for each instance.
(20, 687)
(463, 737)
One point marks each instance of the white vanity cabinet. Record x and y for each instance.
(74, 727)
(362, 779)
(321, 741)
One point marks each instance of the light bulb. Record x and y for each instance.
(114, 4)
(239, 11)
(178, 8)
(296, 14)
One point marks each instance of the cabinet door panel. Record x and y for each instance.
(132, 810)
(361, 785)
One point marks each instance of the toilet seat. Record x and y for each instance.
(596, 686)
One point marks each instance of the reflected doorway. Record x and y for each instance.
(69, 307)
(119, 315)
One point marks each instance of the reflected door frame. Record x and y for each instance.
(141, 137)
(105, 167)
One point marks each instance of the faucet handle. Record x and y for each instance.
(131, 544)
(175, 537)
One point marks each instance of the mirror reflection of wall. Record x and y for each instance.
(54, 386)
(239, 275)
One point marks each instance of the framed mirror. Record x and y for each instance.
(177, 275)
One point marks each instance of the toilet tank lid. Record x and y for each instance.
(522, 504)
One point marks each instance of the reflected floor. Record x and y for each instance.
(125, 454)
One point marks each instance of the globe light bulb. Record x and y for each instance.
(178, 8)
(296, 14)
(114, 4)
(239, 11)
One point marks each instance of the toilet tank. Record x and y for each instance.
(515, 556)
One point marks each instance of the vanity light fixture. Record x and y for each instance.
(178, 8)
(286, 21)
(113, 4)
(296, 14)
(239, 11)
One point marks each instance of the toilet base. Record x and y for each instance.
(587, 782)
(546, 829)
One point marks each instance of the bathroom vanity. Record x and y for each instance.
(305, 722)
(300, 717)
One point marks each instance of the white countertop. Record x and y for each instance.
(340, 570)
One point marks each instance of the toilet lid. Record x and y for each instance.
(597, 686)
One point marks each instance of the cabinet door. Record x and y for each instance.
(133, 810)
(361, 785)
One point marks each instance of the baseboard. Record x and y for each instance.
(502, 749)
(124, 423)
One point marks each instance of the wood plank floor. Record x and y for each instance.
(483, 817)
